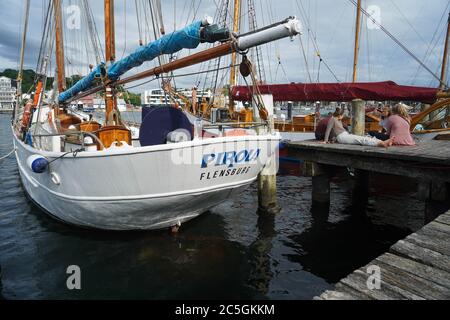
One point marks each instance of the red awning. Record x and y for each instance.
(377, 91)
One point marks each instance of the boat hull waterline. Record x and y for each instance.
(147, 187)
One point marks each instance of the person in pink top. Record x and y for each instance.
(398, 125)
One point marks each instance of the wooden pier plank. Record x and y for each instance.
(429, 242)
(391, 288)
(408, 282)
(441, 229)
(428, 161)
(336, 295)
(416, 268)
(435, 231)
(350, 291)
(444, 219)
(430, 151)
(358, 281)
(422, 255)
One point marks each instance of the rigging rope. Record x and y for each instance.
(305, 59)
(93, 32)
(401, 45)
(125, 28)
(430, 49)
(74, 154)
(181, 75)
(253, 26)
(223, 23)
(138, 22)
(314, 42)
(10, 153)
(318, 71)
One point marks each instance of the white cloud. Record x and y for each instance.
(332, 21)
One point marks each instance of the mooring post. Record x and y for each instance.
(267, 188)
(320, 182)
(289, 110)
(267, 179)
(358, 117)
(321, 189)
(360, 192)
(436, 195)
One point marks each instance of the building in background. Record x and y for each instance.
(92, 102)
(157, 97)
(154, 98)
(7, 94)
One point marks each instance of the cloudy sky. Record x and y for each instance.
(328, 25)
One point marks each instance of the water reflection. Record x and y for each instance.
(330, 249)
(198, 263)
(261, 273)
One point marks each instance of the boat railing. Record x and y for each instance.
(218, 125)
(258, 126)
(72, 133)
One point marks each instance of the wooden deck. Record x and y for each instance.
(415, 268)
(428, 160)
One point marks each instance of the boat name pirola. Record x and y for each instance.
(230, 158)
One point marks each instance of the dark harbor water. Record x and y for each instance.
(228, 253)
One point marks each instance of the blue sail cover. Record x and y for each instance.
(81, 85)
(187, 38)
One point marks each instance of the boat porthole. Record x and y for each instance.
(55, 178)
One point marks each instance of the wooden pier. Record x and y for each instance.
(428, 162)
(416, 268)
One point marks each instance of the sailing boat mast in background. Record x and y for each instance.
(356, 50)
(110, 53)
(236, 25)
(22, 55)
(445, 57)
(59, 46)
(257, 52)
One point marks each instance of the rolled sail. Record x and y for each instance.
(187, 38)
(81, 85)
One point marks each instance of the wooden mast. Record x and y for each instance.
(59, 46)
(445, 57)
(22, 55)
(236, 25)
(110, 101)
(356, 49)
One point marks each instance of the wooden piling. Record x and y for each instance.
(267, 179)
(358, 117)
(435, 194)
(320, 182)
(360, 192)
(428, 162)
(267, 188)
(321, 189)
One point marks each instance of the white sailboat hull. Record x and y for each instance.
(143, 188)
